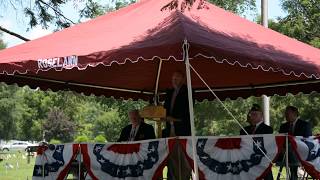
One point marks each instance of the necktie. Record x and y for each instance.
(291, 130)
(132, 134)
(172, 131)
(173, 99)
(253, 129)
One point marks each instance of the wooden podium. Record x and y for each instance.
(157, 114)
(154, 113)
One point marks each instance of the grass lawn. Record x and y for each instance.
(275, 171)
(19, 168)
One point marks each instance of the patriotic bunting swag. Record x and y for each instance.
(54, 161)
(142, 160)
(235, 158)
(308, 152)
(218, 158)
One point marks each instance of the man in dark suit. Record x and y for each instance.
(257, 126)
(137, 130)
(177, 106)
(295, 127)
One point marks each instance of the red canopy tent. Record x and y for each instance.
(120, 54)
(131, 53)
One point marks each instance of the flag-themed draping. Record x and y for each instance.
(54, 161)
(138, 160)
(238, 158)
(308, 152)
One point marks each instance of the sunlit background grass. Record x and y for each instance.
(15, 166)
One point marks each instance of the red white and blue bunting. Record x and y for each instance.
(54, 162)
(235, 158)
(308, 152)
(218, 158)
(142, 160)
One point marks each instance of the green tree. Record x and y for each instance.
(110, 124)
(81, 139)
(50, 12)
(100, 139)
(33, 107)
(236, 6)
(301, 22)
(212, 119)
(8, 123)
(58, 126)
(54, 141)
(306, 103)
(86, 114)
(3, 45)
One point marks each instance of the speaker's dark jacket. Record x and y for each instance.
(180, 111)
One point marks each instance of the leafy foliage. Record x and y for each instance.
(236, 6)
(100, 139)
(2, 43)
(59, 126)
(54, 141)
(8, 125)
(82, 139)
(92, 9)
(302, 21)
(45, 13)
(213, 119)
(28, 114)
(48, 13)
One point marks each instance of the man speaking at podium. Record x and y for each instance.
(177, 107)
(178, 124)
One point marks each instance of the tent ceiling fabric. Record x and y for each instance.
(127, 78)
(118, 54)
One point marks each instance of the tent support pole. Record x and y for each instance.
(264, 13)
(158, 123)
(79, 161)
(287, 158)
(266, 109)
(155, 101)
(193, 132)
(265, 99)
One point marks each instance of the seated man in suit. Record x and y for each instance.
(295, 127)
(257, 126)
(137, 130)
